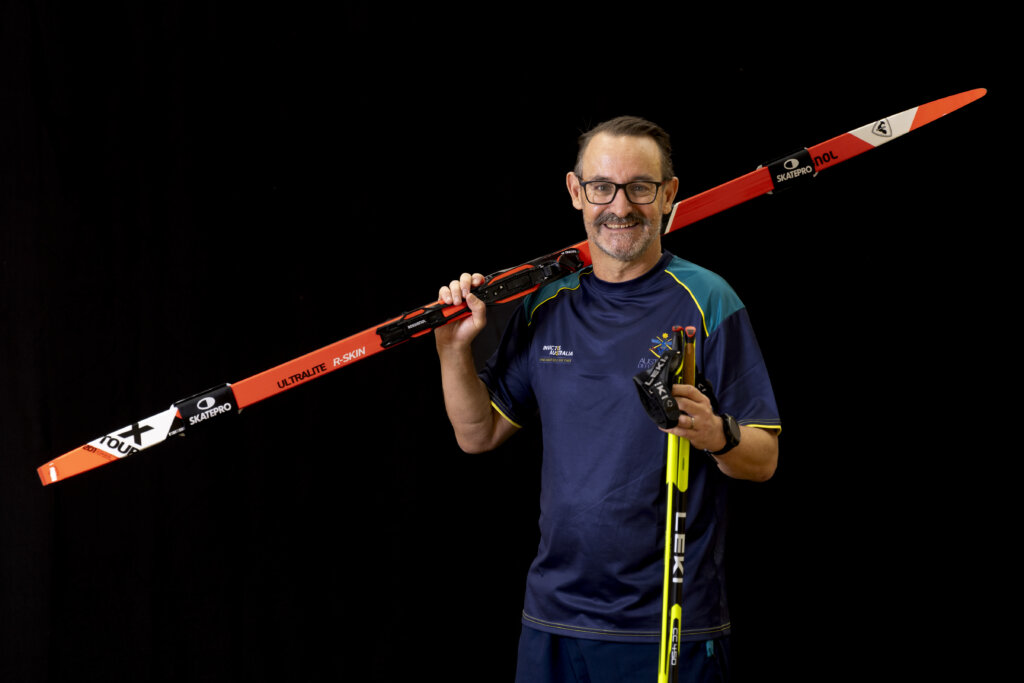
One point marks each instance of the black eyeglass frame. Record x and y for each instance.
(621, 186)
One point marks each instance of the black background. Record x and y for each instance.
(195, 192)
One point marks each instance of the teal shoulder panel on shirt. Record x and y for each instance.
(715, 298)
(549, 291)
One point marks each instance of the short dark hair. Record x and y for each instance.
(631, 126)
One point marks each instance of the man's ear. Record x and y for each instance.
(575, 189)
(671, 188)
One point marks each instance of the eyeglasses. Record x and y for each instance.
(637, 191)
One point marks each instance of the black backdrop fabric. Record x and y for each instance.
(195, 192)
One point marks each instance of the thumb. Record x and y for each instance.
(478, 309)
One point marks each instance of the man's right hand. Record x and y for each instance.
(461, 333)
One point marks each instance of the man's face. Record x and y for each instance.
(623, 230)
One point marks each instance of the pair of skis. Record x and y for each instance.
(506, 285)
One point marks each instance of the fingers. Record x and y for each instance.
(460, 333)
(687, 393)
(698, 422)
(695, 406)
(457, 290)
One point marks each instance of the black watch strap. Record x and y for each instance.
(732, 434)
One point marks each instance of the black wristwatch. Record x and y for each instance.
(732, 434)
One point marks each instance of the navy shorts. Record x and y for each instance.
(548, 658)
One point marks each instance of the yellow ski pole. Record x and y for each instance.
(677, 479)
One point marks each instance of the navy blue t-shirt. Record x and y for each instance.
(568, 357)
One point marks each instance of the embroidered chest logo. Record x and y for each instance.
(554, 353)
(659, 346)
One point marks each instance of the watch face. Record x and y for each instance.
(733, 430)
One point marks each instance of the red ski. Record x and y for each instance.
(506, 285)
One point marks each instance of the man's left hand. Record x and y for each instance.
(698, 423)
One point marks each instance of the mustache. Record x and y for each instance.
(609, 217)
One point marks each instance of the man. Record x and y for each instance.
(594, 592)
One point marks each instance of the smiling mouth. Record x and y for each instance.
(616, 223)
